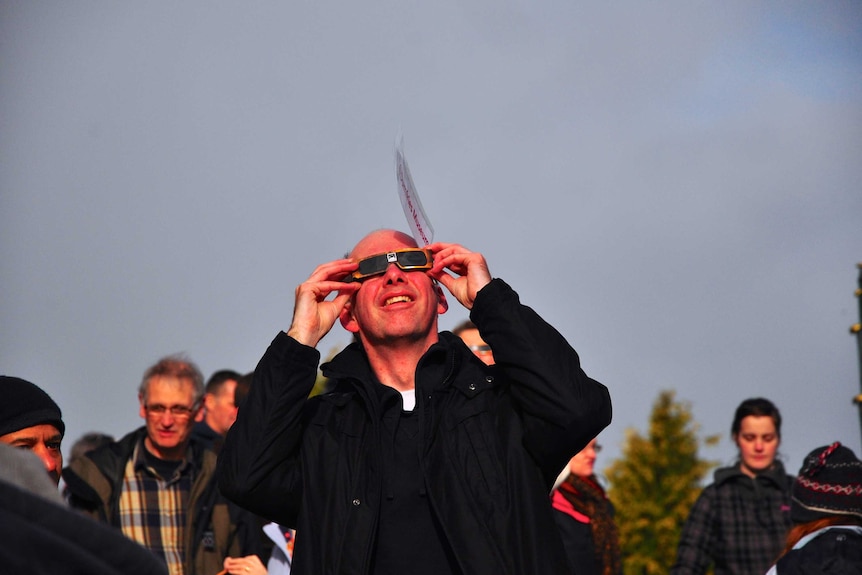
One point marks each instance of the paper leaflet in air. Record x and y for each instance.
(420, 227)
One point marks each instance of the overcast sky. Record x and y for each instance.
(674, 185)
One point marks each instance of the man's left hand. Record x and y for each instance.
(470, 269)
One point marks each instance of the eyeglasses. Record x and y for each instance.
(177, 411)
(409, 259)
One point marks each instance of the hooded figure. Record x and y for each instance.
(826, 507)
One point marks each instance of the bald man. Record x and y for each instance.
(422, 459)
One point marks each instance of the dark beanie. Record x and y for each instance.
(25, 405)
(829, 483)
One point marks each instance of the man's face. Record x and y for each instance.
(220, 408)
(170, 413)
(477, 345)
(397, 304)
(43, 440)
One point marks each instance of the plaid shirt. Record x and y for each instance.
(738, 524)
(153, 510)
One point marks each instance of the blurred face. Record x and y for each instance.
(397, 304)
(477, 345)
(583, 462)
(43, 440)
(757, 441)
(220, 408)
(170, 413)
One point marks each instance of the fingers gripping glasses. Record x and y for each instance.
(409, 259)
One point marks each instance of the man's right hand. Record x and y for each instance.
(313, 314)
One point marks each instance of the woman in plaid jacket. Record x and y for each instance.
(740, 521)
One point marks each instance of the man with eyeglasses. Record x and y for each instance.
(469, 333)
(157, 486)
(422, 459)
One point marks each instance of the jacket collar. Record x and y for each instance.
(774, 475)
(435, 371)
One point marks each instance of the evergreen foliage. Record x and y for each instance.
(654, 485)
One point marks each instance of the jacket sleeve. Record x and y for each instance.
(259, 464)
(562, 408)
(696, 542)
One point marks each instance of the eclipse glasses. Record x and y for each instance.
(408, 259)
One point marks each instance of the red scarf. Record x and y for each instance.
(588, 498)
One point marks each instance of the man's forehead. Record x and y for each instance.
(228, 389)
(166, 384)
(33, 433)
(382, 241)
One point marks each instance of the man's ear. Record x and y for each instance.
(442, 304)
(208, 402)
(142, 412)
(199, 415)
(348, 321)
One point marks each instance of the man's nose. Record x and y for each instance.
(394, 274)
(48, 459)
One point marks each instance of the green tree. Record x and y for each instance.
(654, 485)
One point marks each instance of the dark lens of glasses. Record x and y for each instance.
(412, 259)
(408, 259)
(372, 265)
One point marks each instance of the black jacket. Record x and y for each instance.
(836, 551)
(492, 441)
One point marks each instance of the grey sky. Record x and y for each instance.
(674, 185)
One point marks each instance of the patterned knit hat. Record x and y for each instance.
(829, 483)
(25, 405)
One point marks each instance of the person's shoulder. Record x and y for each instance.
(203, 434)
(111, 455)
(202, 428)
(725, 476)
(839, 546)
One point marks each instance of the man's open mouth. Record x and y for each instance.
(398, 299)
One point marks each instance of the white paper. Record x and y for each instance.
(419, 224)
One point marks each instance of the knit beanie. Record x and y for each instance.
(829, 483)
(25, 405)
